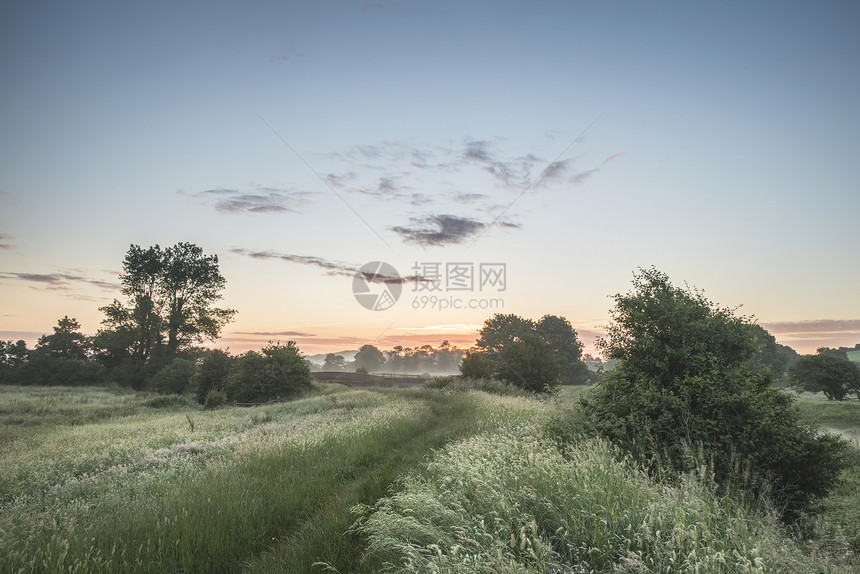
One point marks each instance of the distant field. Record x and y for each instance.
(101, 480)
(854, 355)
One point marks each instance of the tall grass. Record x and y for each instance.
(99, 480)
(512, 502)
(210, 491)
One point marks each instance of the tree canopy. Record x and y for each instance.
(171, 293)
(368, 358)
(537, 356)
(685, 383)
(829, 372)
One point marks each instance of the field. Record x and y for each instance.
(410, 480)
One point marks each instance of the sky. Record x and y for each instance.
(515, 157)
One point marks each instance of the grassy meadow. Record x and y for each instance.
(369, 480)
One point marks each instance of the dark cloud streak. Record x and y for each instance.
(59, 281)
(263, 200)
(439, 230)
(333, 268)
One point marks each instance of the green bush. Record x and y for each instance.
(277, 372)
(685, 385)
(477, 364)
(214, 399)
(174, 377)
(212, 372)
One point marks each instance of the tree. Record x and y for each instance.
(368, 358)
(530, 362)
(567, 349)
(501, 329)
(66, 342)
(174, 377)
(334, 362)
(277, 372)
(171, 295)
(477, 364)
(61, 358)
(684, 381)
(13, 355)
(826, 372)
(535, 356)
(189, 285)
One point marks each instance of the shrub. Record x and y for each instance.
(214, 399)
(174, 377)
(685, 383)
(212, 372)
(278, 371)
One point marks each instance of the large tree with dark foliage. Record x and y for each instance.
(534, 355)
(171, 295)
(685, 383)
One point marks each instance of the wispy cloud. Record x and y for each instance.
(59, 281)
(439, 230)
(261, 200)
(274, 333)
(6, 241)
(330, 267)
(807, 336)
(335, 268)
(817, 326)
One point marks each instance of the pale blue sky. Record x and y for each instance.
(720, 144)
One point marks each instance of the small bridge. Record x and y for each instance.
(365, 380)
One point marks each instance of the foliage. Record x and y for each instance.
(171, 293)
(826, 372)
(214, 399)
(66, 342)
(334, 362)
(443, 359)
(537, 356)
(529, 362)
(477, 364)
(213, 372)
(567, 349)
(13, 355)
(277, 372)
(60, 358)
(174, 377)
(368, 358)
(771, 354)
(685, 384)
